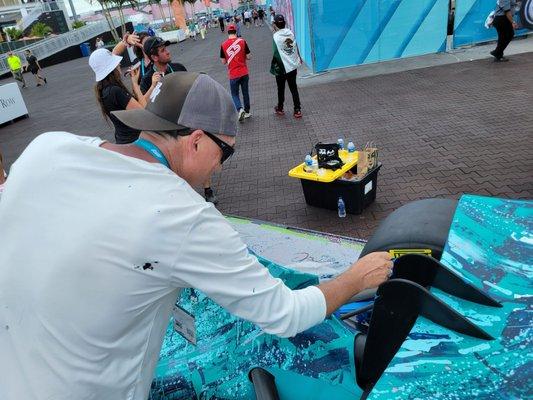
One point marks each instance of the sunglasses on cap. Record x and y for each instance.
(157, 42)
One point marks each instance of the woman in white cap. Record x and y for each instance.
(112, 95)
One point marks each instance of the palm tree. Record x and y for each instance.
(191, 2)
(158, 2)
(107, 15)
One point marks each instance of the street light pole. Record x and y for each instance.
(71, 3)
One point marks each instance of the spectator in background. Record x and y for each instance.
(221, 23)
(284, 65)
(99, 43)
(35, 68)
(261, 15)
(505, 26)
(145, 61)
(15, 66)
(112, 95)
(156, 49)
(234, 52)
(247, 18)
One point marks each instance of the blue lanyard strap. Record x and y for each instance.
(153, 150)
(164, 72)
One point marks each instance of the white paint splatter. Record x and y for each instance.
(409, 367)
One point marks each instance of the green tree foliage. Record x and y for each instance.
(14, 33)
(40, 29)
(78, 24)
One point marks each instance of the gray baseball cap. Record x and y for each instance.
(185, 100)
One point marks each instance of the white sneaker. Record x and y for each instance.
(241, 115)
(247, 114)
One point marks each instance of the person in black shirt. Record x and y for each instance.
(112, 95)
(156, 49)
(34, 67)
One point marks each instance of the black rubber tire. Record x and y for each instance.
(422, 224)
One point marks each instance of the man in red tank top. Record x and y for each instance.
(234, 52)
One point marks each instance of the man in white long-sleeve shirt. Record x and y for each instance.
(99, 239)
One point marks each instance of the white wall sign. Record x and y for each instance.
(11, 103)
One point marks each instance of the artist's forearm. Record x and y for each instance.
(509, 16)
(338, 291)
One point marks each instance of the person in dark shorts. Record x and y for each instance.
(221, 23)
(34, 67)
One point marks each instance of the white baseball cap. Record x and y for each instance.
(103, 62)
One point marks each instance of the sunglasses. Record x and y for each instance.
(154, 45)
(227, 150)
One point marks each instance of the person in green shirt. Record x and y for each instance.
(15, 65)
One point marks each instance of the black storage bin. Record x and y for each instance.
(326, 195)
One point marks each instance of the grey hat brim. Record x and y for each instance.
(145, 120)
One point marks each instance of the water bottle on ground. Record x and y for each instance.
(341, 208)
(340, 142)
(308, 163)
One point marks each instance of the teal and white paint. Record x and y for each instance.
(489, 245)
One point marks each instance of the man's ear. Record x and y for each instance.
(194, 139)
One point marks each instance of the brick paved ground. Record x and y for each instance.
(442, 131)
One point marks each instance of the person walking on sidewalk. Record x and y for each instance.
(221, 23)
(234, 52)
(505, 26)
(34, 67)
(284, 65)
(15, 66)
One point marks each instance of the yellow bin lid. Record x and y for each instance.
(328, 175)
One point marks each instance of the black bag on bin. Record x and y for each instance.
(327, 155)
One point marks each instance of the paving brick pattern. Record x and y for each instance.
(442, 131)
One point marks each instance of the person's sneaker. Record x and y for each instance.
(503, 59)
(241, 115)
(247, 114)
(39, 85)
(279, 111)
(23, 86)
(297, 114)
(493, 54)
(210, 196)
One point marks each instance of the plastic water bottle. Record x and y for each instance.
(340, 142)
(341, 208)
(351, 151)
(315, 166)
(308, 163)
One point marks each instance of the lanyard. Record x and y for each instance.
(142, 67)
(153, 150)
(168, 66)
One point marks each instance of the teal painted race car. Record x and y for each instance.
(453, 322)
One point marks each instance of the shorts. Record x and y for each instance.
(33, 70)
(246, 20)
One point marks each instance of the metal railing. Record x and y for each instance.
(54, 44)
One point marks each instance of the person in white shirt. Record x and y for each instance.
(99, 239)
(99, 43)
